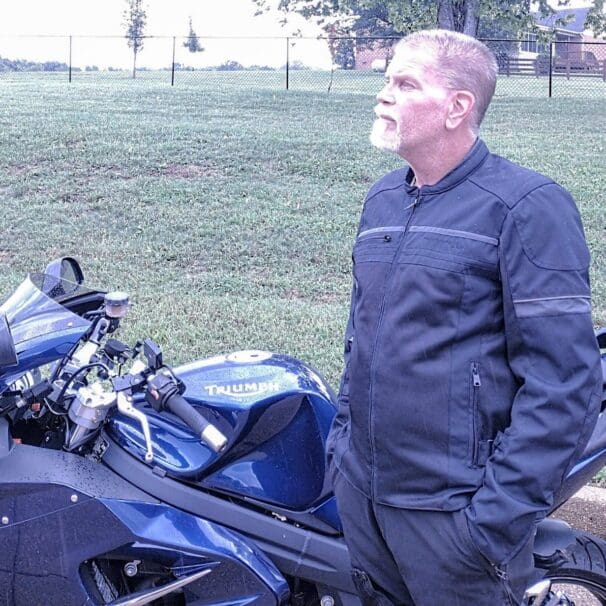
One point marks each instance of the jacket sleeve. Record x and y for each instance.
(553, 352)
(342, 417)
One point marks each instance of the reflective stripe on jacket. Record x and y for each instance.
(472, 374)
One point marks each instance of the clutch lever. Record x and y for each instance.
(125, 406)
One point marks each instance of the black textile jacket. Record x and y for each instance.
(472, 375)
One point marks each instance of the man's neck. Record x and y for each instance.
(435, 162)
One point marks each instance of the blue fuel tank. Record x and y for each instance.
(276, 412)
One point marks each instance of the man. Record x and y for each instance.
(472, 373)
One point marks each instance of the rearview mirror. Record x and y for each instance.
(65, 268)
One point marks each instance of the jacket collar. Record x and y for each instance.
(474, 158)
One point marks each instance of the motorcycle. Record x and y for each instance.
(124, 481)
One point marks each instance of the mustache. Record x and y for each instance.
(381, 113)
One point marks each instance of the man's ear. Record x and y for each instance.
(461, 105)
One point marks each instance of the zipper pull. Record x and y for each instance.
(501, 574)
(414, 203)
(475, 374)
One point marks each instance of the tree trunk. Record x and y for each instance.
(472, 17)
(445, 15)
(134, 63)
(459, 15)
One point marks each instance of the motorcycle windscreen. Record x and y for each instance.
(34, 310)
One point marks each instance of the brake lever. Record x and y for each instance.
(125, 406)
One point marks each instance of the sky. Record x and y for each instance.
(211, 19)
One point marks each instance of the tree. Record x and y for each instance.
(596, 19)
(342, 52)
(341, 47)
(376, 17)
(340, 20)
(193, 42)
(134, 21)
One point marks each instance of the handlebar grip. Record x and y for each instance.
(209, 434)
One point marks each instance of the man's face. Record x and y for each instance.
(412, 106)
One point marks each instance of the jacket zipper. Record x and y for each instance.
(373, 363)
(503, 577)
(476, 384)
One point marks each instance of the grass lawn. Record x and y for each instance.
(228, 209)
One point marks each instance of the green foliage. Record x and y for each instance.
(596, 19)
(342, 51)
(387, 17)
(192, 43)
(23, 65)
(230, 66)
(406, 17)
(135, 18)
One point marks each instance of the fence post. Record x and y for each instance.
(287, 60)
(172, 73)
(550, 68)
(70, 59)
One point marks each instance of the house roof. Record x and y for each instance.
(577, 18)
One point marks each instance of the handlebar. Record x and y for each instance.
(209, 434)
(163, 392)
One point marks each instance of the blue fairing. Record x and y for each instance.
(42, 329)
(589, 464)
(162, 526)
(77, 529)
(40, 352)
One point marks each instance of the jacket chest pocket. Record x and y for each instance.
(452, 250)
(377, 245)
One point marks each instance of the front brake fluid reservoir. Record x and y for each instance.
(116, 304)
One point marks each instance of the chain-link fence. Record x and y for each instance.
(527, 68)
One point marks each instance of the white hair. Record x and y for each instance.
(461, 62)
